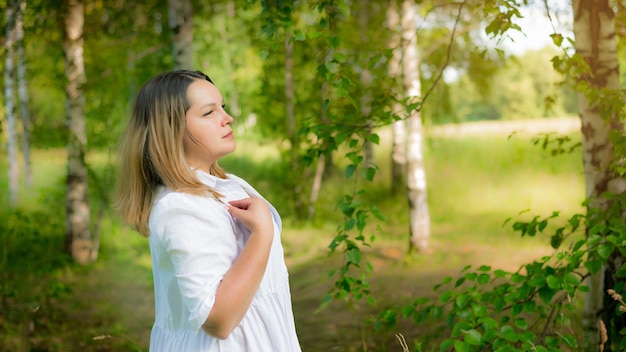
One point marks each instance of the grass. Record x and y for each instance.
(475, 183)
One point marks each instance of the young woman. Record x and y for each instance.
(220, 280)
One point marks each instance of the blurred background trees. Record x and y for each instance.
(321, 77)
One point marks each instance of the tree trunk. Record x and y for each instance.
(416, 174)
(398, 149)
(594, 30)
(78, 238)
(9, 102)
(181, 25)
(317, 185)
(22, 91)
(292, 128)
(324, 165)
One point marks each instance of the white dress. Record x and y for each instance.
(193, 243)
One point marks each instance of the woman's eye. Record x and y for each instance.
(207, 113)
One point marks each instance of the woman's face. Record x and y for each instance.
(209, 135)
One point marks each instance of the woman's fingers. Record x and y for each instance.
(253, 213)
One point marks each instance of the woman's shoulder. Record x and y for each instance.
(167, 198)
(174, 207)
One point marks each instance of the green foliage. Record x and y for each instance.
(530, 309)
(30, 261)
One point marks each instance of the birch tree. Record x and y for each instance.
(78, 236)
(181, 25)
(9, 101)
(398, 149)
(22, 90)
(594, 31)
(416, 174)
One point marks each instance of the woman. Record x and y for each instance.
(220, 279)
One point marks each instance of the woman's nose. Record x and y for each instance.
(227, 119)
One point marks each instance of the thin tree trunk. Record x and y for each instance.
(325, 162)
(23, 91)
(181, 25)
(594, 30)
(78, 239)
(416, 177)
(398, 149)
(9, 101)
(292, 132)
(317, 185)
(322, 162)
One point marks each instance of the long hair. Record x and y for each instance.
(151, 152)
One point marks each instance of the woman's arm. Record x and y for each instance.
(241, 282)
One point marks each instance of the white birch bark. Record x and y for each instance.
(9, 101)
(416, 173)
(78, 237)
(181, 24)
(398, 149)
(22, 91)
(594, 30)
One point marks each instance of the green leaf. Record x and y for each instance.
(370, 172)
(350, 169)
(557, 38)
(473, 337)
(572, 279)
(459, 329)
(354, 256)
(479, 310)
(461, 300)
(333, 41)
(489, 323)
(445, 297)
(499, 273)
(446, 344)
(521, 323)
(484, 279)
(460, 346)
(605, 250)
(553, 282)
(374, 138)
(593, 240)
(593, 266)
(508, 333)
(570, 341)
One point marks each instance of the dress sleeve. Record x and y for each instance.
(198, 236)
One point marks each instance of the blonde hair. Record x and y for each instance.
(151, 152)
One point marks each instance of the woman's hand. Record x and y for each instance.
(254, 213)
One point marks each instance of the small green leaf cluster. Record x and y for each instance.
(350, 279)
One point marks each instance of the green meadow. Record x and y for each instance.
(475, 183)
